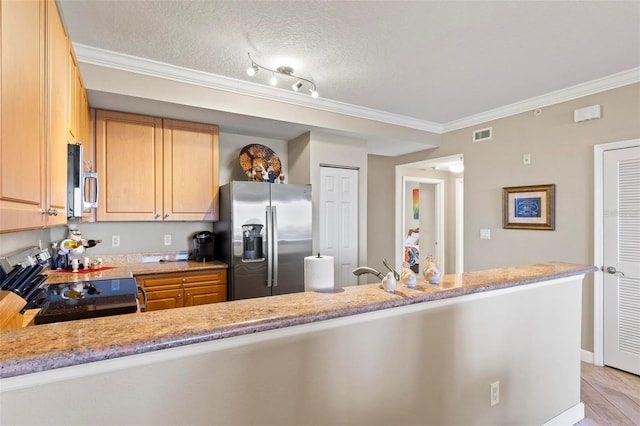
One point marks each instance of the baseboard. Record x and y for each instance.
(570, 417)
(586, 356)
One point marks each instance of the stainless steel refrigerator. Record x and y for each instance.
(264, 234)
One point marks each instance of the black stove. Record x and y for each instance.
(88, 299)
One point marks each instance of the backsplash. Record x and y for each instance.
(135, 237)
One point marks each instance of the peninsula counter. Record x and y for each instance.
(356, 355)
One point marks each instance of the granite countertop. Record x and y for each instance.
(50, 346)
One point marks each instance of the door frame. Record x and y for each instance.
(439, 210)
(598, 240)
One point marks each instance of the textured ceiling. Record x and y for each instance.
(432, 61)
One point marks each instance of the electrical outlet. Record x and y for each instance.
(485, 234)
(495, 393)
(526, 159)
(167, 240)
(115, 241)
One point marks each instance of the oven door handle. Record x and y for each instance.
(144, 296)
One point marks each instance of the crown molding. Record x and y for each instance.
(574, 92)
(135, 64)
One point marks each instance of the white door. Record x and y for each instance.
(621, 259)
(339, 222)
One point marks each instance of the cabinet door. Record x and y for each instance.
(129, 163)
(206, 294)
(190, 171)
(56, 117)
(158, 299)
(22, 164)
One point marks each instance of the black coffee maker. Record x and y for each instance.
(203, 243)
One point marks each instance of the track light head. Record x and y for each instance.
(296, 86)
(252, 70)
(273, 80)
(314, 93)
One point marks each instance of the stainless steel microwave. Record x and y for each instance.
(82, 187)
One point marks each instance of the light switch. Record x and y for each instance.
(485, 234)
(526, 159)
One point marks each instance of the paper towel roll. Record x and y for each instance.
(318, 273)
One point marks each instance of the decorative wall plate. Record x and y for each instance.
(260, 163)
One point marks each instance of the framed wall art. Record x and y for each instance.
(529, 207)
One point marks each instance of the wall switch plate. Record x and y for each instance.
(485, 234)
(115, 241)
(495, 393)
(526, 159)
(167, 240)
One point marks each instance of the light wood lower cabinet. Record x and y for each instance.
(180, 289)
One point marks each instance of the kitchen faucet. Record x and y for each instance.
(366, 270)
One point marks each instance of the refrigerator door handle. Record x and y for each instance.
(274, 234)
(267, 233)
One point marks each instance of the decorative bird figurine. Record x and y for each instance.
(389, 282)
(431, 272)
(407, 277)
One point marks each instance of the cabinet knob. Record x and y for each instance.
(52, 212)
(188, 295)
(179, 295)
(157, 216)
(184, 280)
(166, 215)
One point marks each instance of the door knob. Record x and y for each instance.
(611, 270)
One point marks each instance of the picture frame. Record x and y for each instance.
(529, 207)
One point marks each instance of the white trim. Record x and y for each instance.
(570, 417)
(586, 356)
(459, 225)
(598, 238)
(574, 92)
(121, 61)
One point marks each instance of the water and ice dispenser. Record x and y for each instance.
(252, 242)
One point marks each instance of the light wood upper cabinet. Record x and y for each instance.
(129, 163)
(22, 167)
(34, 115)
(190, 171)
(57, 90)
(152, 169)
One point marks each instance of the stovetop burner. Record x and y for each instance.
(88, 299)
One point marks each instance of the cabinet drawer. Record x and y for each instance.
(159, 280)
(213, 277)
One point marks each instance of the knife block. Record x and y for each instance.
(10, 306)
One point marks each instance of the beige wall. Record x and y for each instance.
(561, 153)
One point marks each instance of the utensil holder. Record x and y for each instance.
(10, 306)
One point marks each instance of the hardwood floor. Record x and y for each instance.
(610, 396)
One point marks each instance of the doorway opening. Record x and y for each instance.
(442, 182)
(422, 222)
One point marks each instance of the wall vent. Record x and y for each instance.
(482, 134)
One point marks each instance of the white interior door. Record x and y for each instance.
(338, 231)
(621, 258)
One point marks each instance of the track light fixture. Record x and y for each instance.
(286, 71)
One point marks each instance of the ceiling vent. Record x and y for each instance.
(482, 134)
